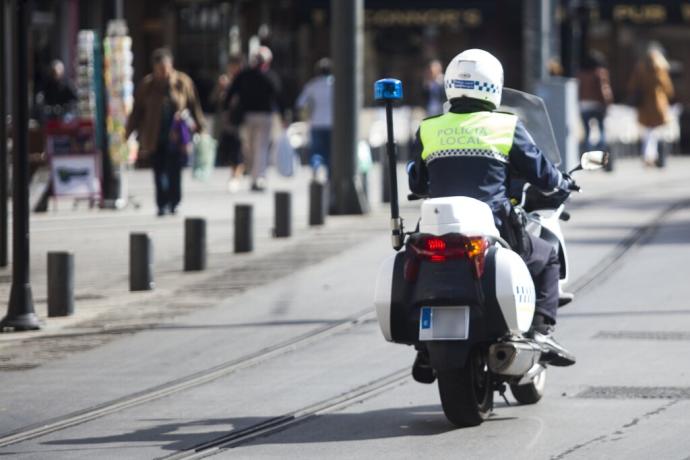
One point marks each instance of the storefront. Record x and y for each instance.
(400, 37)
(623, 30)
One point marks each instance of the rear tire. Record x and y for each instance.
(467, 394)
(532, 392)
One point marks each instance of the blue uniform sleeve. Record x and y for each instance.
(531, 163)
(417, 173)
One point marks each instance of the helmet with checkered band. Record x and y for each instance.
(476, 74)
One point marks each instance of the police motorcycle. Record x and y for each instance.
(458, 293)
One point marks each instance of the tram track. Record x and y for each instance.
(283, 422)
(186, 382)
(276, 424)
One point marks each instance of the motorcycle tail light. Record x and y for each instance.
(439, 249)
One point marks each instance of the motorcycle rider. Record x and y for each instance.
(474, 150)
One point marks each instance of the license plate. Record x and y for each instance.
(444, 323)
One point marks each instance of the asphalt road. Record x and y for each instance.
(297, 368)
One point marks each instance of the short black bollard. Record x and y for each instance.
(194, 244)
(140, 262)
(385, 182)
(282, 223)
(60, 284)
(244, 241)
(318, 202)
(365, 184)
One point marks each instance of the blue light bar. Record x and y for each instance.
(388, 89)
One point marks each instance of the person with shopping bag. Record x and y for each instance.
(165, 114)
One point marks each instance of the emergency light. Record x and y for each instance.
(388, 89)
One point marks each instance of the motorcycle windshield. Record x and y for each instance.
(533, 114)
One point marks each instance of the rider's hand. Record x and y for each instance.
(568, 184)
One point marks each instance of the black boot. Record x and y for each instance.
(553, 353)
(422, 371)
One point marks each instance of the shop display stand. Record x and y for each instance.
(73, 153)
(118, 73)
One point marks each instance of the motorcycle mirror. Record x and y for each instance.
(594, 159)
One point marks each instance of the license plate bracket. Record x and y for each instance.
(444, 323)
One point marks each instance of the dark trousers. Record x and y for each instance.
(542, 262)
(598, 115)
(167, 174)
(321, 144)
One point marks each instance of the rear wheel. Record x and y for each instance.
(467, 394)
(532, 392)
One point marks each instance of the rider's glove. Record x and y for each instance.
(568, 184)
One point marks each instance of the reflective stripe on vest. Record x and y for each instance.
(478, 134)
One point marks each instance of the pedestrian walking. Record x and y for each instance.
(258, 92)
(165, 114)
(595, 95)
(227, 123)
(317, 98)
(434, 92)
(650, 89)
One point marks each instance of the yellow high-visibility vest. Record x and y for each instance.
(476, 134)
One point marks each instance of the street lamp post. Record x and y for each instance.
(3, 138)
(347, 30)
(20, 312)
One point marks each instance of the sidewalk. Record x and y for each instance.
(99, 240)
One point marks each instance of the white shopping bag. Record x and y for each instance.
(204, 159)
(285, 156)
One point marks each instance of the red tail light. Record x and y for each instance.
(435, 244)
(439, 249)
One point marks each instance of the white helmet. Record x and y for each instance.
(477, 74)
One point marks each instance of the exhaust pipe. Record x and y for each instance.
(513, 358)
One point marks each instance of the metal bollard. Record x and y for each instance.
(244, 241)
(194, 244)
(318, 202)
(140, 262)
(365, 184)
(283, 215)
(60, 284)
(385, 182)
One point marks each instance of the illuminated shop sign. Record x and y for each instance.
(645, 13)
(419, 18)
(640, 13)
(469, 17)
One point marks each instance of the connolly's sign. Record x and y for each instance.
(412, 17)
(471, 17)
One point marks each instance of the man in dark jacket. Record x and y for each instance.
(57, 97)
(470, 151)
(258, 92)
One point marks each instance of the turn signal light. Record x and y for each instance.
(439, 249)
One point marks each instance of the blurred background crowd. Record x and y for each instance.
(259, 74)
